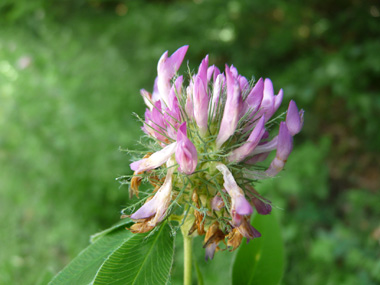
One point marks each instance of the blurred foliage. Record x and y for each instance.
(70, 74)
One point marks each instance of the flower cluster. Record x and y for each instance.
(209, 137)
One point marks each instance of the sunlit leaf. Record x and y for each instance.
(83, 268)
(142, 259)
(119, 257)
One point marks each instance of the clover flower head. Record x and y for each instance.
(208, 136)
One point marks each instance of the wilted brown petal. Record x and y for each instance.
(234, 239)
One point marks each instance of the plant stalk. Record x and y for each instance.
(187, 243)
(187, 247)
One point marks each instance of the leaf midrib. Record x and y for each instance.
(108, 256)
(121, 245)
(146, 256)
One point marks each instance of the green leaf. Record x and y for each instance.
(119, 257)
(83, 268)
(261, 261)
(141, 260)
(122, 223)
(199, 273)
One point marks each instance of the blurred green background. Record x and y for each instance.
(70, 74)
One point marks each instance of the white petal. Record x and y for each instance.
(155, 160)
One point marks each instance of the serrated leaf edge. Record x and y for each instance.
(82, 252)
(158, 235)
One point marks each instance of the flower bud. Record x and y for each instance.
(284, 148)
(294, 119)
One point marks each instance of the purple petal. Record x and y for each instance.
(243, 207)
(278, 100)
(232, 109)
(294, 119)
(174, 91)
(267, 104)
(163, 196)
(156, 115)
(247, 231)
(201, 99)
(243, 83)
(212, 71)
(166, 69)
(276, 104)
(168, 66)
(135, 165)
(257, 158)
(202, 71)
(186, 153)
(266, 147)
(252, 233)
(159, 203)
(245, 150)
(210, 251)
(261, 207)
(240, 206)
(155, 122)
(147, 210)
(254, 98)
(285, 142)
(172, 118)
(284, 148)
(234, 71)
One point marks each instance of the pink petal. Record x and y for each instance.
(284, 148)
(201, 99)
(186, 153)
(254, 98)
(294, 119)
(166, 69)
(245, 150)
(232, 109)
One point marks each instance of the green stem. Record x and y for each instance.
(187, 244)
